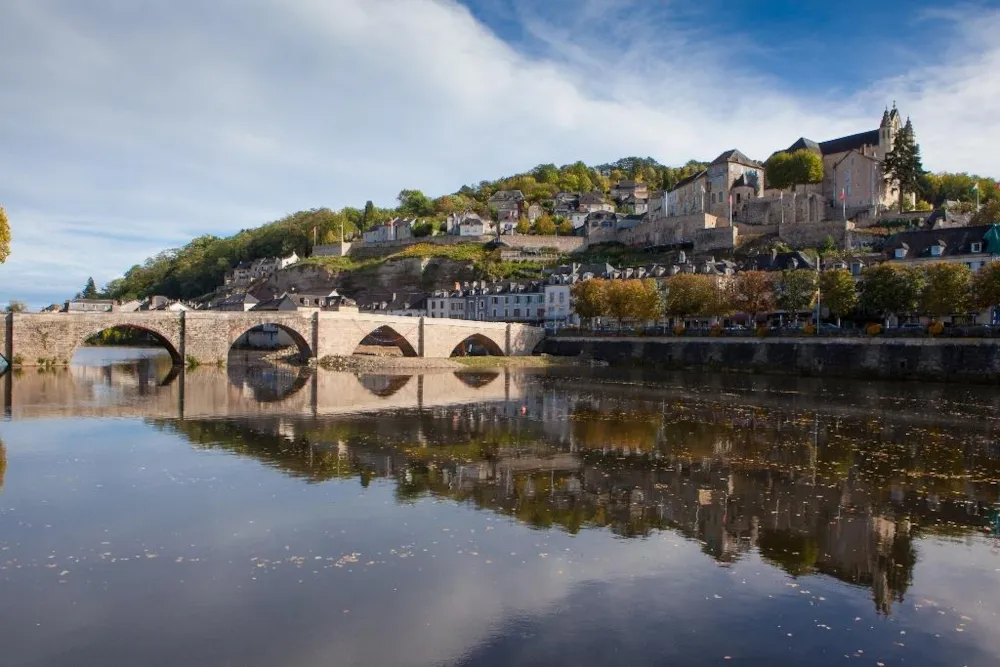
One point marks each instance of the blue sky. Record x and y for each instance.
(130, 128)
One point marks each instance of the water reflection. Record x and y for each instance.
(792, 486)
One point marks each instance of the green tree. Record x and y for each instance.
(590, 299)
(414, 203)
(903, 165)
(89, 290)
(4, 236)
(368, 216)
(783, 170)
(565, 227)
(986, 286)
(795, 290)
(752, 292)
(523, 226)
(948, 289)
(890, 289)
(838, 292)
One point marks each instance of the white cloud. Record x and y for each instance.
(182, 118)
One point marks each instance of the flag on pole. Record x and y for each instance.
(843, 194)
(976, 187)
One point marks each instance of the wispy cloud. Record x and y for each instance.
(166, 120)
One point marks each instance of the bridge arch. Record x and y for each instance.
(477, 344)
(161, 337)
(274, 331)
(386, 336)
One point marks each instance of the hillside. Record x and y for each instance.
(198, 268)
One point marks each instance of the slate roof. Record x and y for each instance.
(591, 198)
(803, 143)
(854, 141)
(507, 196)
(955, 241)
(781, 261)
(690, 179)
(735, 156)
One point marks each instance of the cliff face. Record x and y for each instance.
(404, 275)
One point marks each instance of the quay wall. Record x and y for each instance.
(951, 360)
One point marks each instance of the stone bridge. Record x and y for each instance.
(29, 339)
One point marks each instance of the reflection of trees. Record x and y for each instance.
(831, 495)
(3, 463)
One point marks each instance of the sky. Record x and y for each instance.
(129, 128)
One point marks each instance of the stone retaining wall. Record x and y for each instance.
(962, 360)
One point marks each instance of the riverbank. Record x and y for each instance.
(943, 360)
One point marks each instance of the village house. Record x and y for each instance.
(509, 204)
(236, 303)
(623, 189)
(413, 304)
(246, 272)
(90, 306)
(470, 224)
(395, 230)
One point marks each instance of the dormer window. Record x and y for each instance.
(900, 253)
(936, 250)
(977, 247)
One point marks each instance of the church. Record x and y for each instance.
(853, 182)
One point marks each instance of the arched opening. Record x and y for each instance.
(126, 356)
(385, 342)
(267, 343)
(124, 342)
(267, 383)
(477, 345)
(383, 386)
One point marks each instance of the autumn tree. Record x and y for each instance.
(838, 292)
(798, 167)
(633, 300)
(648, 302)
(903, 165)
(545, 225)
(4, 236)
(689, 294)
(986, 286)
(752, 292)
(589, 299)
(948, 289)
(565, 228)
(890, 289)
(988, 214)
(523, 226)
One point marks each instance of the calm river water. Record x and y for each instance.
(566, 516)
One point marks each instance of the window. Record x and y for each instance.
(552, 297)
(517, 312)
(977, 247)
(562, 297)
(900, 253)
(936, 250)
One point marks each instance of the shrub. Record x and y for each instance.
(762, 331)
(716, 330)
(679, 330)
(873, 329)
(936, 328)
(809, 329)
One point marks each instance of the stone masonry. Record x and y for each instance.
(38, 339)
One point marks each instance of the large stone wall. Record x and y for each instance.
(711, 240)
(953, 360)
(812, 234)
(207, 336)
(562, 244)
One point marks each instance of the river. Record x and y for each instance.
(561, 516)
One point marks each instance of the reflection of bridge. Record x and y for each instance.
(214, 393)
(37, 339)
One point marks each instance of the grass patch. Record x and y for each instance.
(513, 362)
